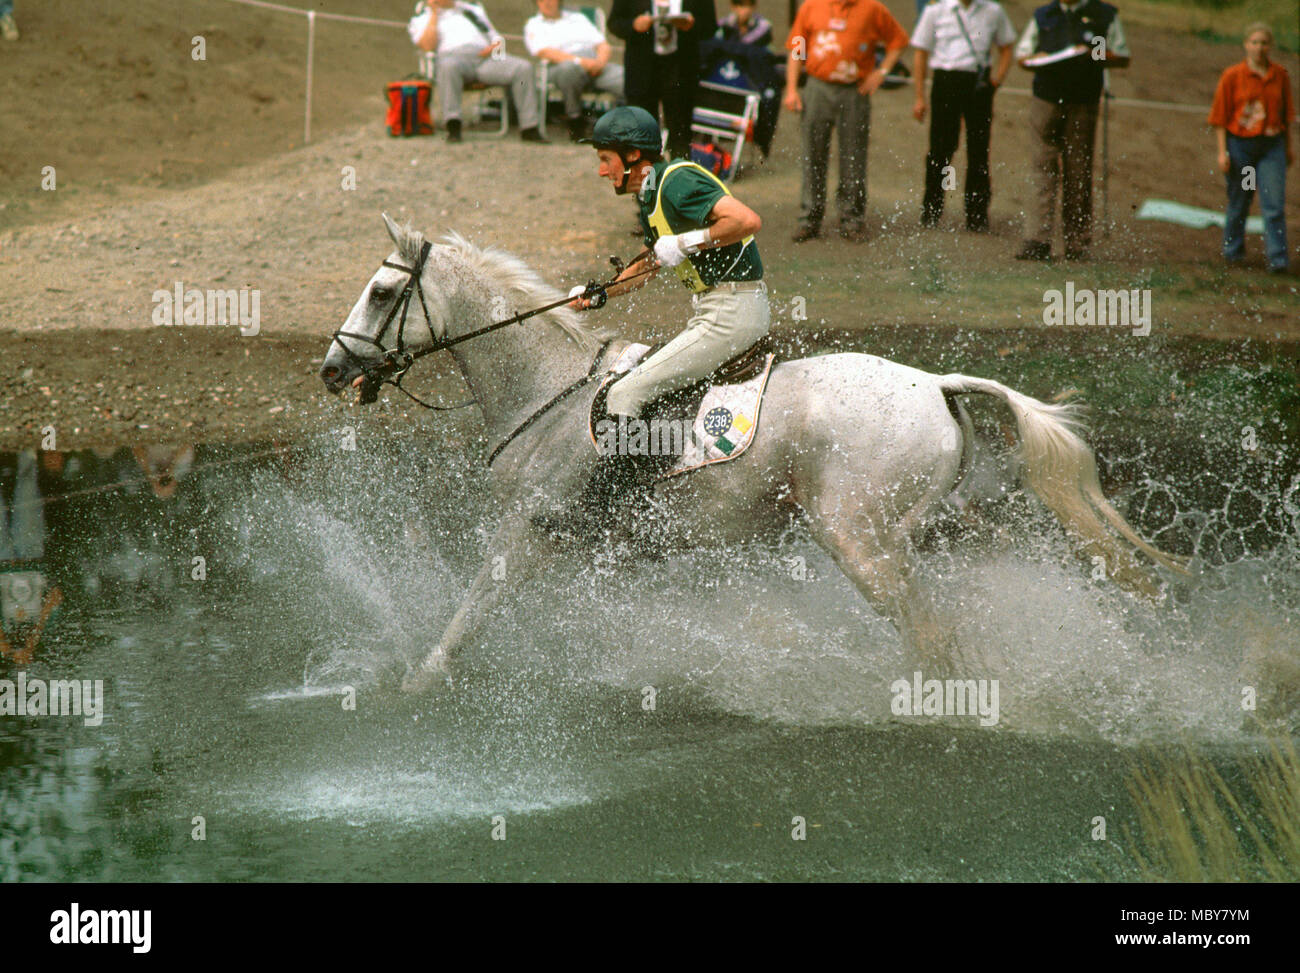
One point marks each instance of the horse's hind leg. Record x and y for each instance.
(879, 563)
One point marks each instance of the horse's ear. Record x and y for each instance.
(394, 231)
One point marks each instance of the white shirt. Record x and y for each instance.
(1116, 42)
(939, 33)
(454, 28)
(570, 32)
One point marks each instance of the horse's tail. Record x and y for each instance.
(1061, 470)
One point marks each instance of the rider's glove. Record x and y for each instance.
(670, 250)
(577, 290)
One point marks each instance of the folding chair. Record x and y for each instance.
(483, 107)
(590, 99)
(726, 109)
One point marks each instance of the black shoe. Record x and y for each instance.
(853, 233)
(619, 480)
(1035, 251)
(453, 130)
(1279, 269)
(805, 233)
(1076, 254)
(577, 127)
(977, 226)
(533, 135)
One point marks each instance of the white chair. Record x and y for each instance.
(726, 113)
(597, 16)
(482, 107)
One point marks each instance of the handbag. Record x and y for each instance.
(983, 72)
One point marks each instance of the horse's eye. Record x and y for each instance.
(380, 294)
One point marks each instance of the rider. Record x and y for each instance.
(696, 227)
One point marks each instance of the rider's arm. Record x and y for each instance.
(730, 221)
(624, 286)
(645, 268)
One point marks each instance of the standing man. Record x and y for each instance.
(1086, 37)
(957, 37)
(578, 55)
(838, 39)
(705, 235)
(470, 49)
(662, 59)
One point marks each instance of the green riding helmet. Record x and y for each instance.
(627, 127)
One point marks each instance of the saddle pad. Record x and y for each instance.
(726, 419)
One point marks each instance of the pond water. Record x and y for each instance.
(250, 697)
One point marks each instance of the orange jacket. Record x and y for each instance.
(839, 37)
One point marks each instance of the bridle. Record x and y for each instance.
(394, 363)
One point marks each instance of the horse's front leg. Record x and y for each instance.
(516, 550)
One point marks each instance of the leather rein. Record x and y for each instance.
(394, 363)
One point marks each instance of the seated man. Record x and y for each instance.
(470, 49)
(579, 58)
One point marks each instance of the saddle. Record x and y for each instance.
(708, 421)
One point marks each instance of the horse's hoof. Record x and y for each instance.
(426, 680)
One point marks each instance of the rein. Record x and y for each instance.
(395, 362)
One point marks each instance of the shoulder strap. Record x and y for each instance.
(969, 43)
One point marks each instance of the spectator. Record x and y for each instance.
(470, 49)
(1063, 115)
(662, 59)
(578, 55)
(838, 39)
(957, 37)
(743, 37)
(8, 28)
(1253, 114)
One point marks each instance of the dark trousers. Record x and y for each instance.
(669, 79)
(953, 100)
(1063, 141)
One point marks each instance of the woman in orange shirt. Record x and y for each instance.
(1253, 113)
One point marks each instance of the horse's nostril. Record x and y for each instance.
(329, 373)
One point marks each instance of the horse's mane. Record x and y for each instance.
(513, 274)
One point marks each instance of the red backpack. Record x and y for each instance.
(408, 108)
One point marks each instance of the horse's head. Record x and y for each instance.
(399, 313)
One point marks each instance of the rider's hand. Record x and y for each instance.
(579, 303)
(642, 23)
(668, 251)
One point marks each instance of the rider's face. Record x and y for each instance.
(614, 168)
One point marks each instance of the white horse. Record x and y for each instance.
(860, 447)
